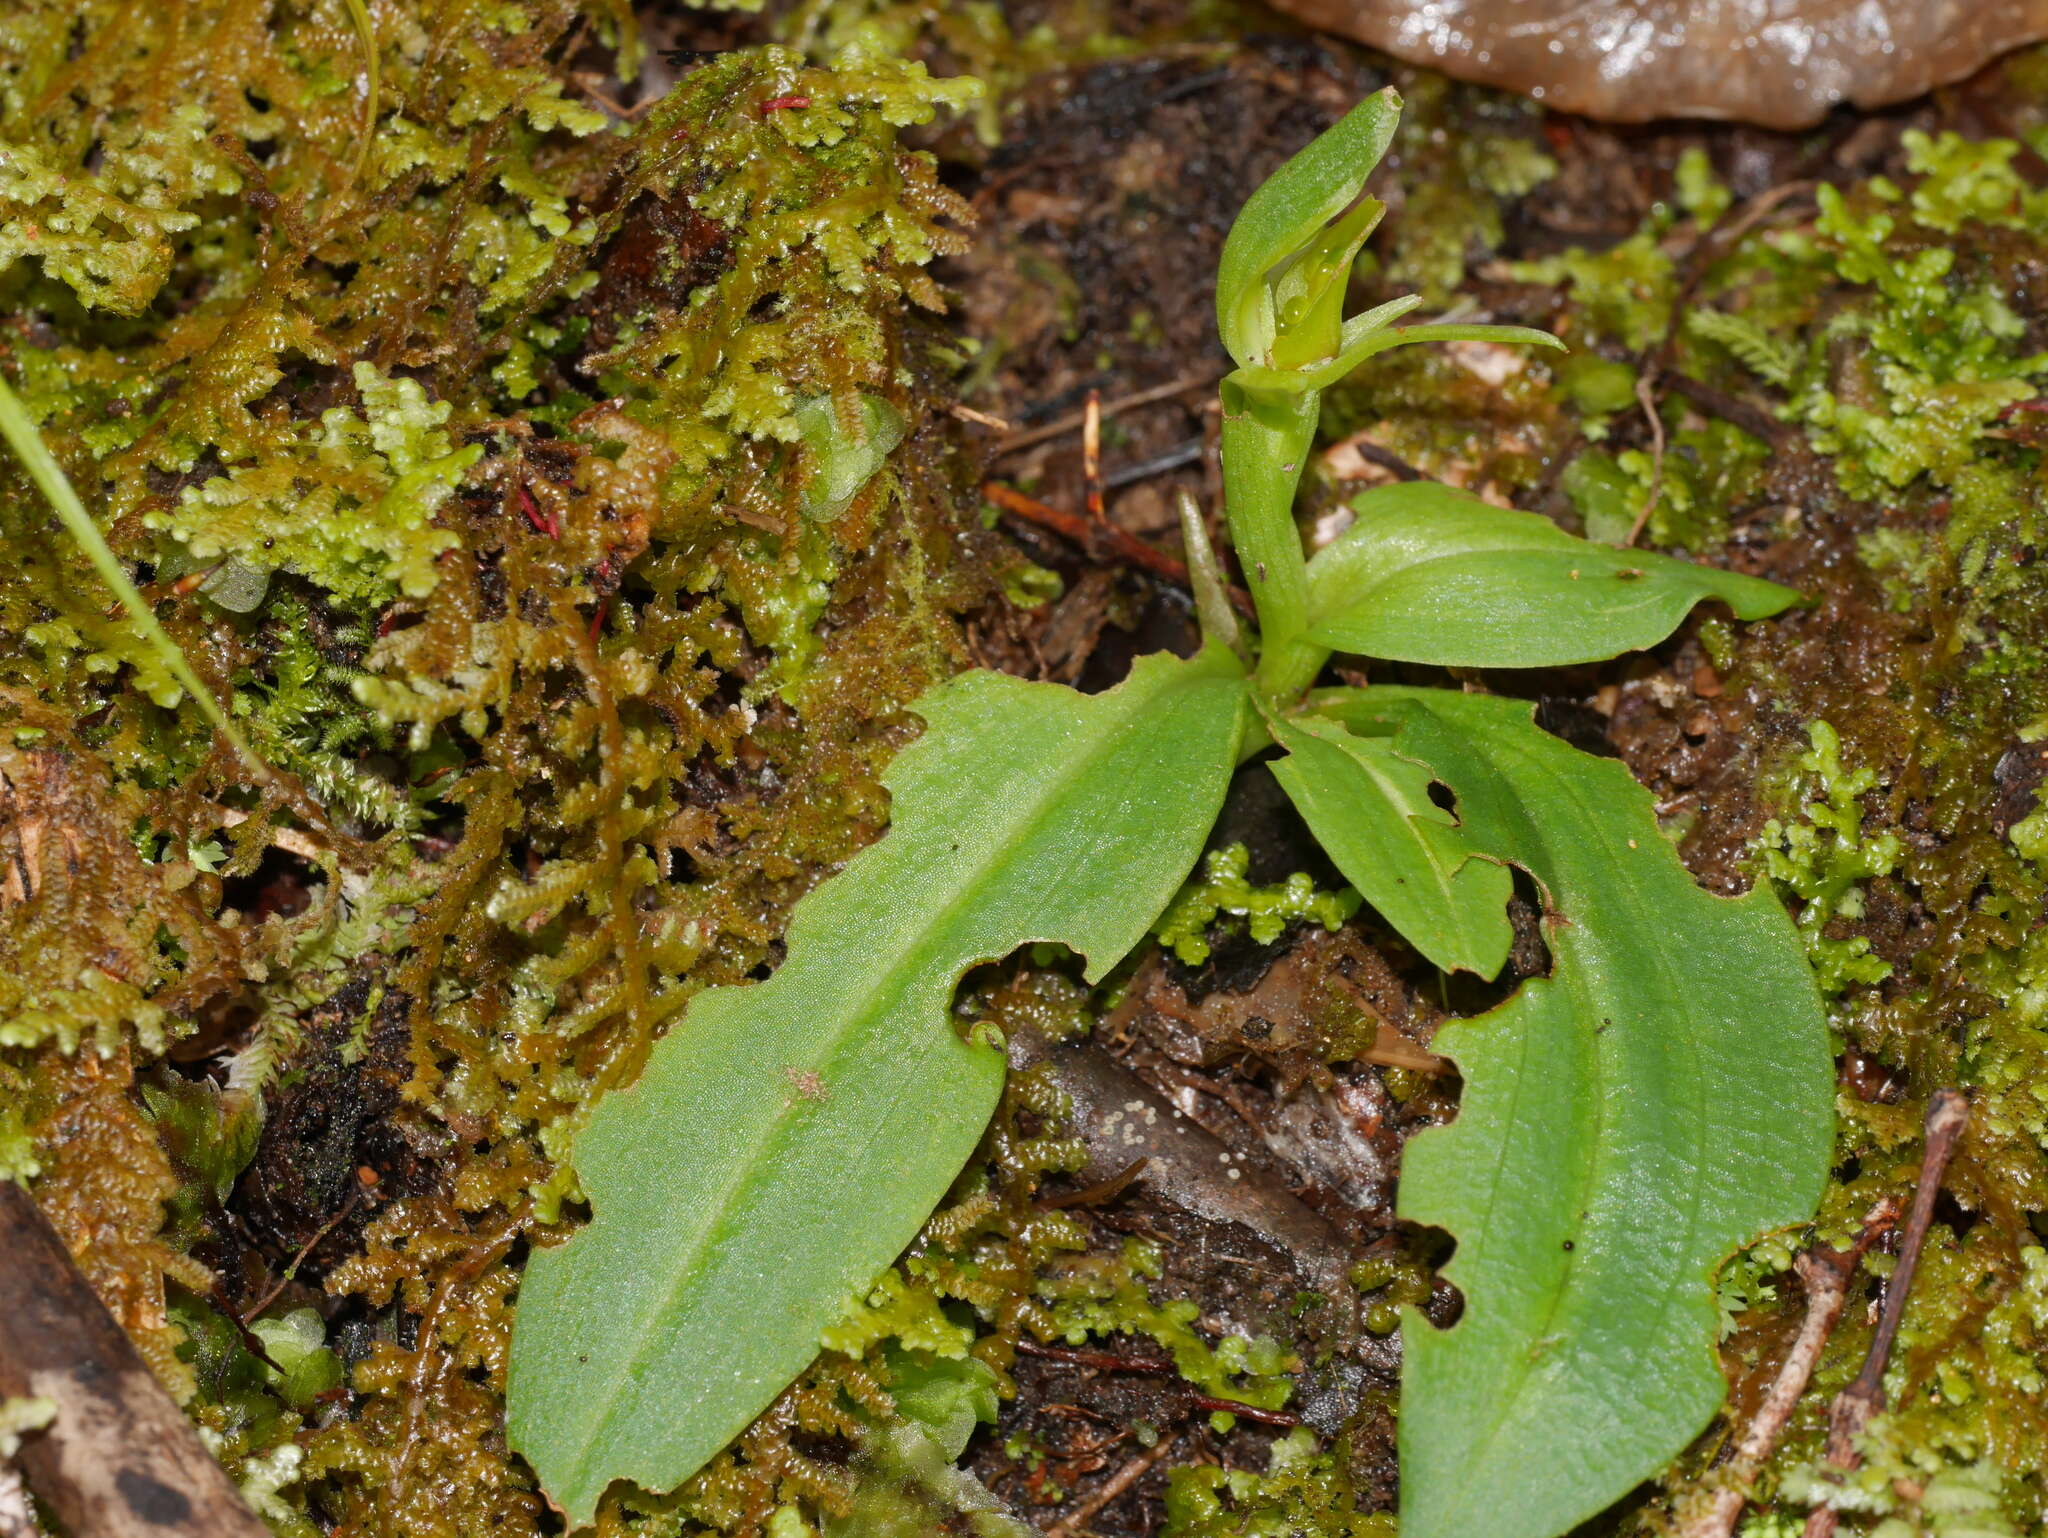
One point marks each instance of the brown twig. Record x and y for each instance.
(1646, 397)
(1948, 1113)
(1739, 413)
(1826, 1274)
(1098, 1193)
(1110, 1489)
(1179, 457)
(348, 1205)
(978, 418)
(1110, 1361)
(1101, 1361)
(1060, 426)
(120, 1460)
(1102, 540)
(1091, 458)
(1373, 454)
(1250, 1412)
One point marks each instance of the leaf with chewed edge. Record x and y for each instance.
(789, 1137)
(1663, 1097)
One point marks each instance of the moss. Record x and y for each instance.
(1104, 1294)
(1301, 1491)
(1624, 293)
(1822, 859)
(473, 474)
(1465, 155)
(1222, 889)
(1705, 473)
(348, 507)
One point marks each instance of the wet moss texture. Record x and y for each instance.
(536, 421)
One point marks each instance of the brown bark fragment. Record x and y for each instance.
(120, 1460)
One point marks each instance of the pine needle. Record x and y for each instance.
(22, 436)
(359, 13)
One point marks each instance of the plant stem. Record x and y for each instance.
(1284, 672)
(1265, 444)
(21, 434)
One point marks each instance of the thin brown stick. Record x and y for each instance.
(1646, 397)
(1948, 1113)
(1373, 454)
(1250, 1412)
(1091, 457)
(1739, 413)
(119, 1460)
(1110, 1489)
(1104, 540)
(1095, 1195)
(1060, 426)
(1826, 1274)
(1101, 1361)
(978, 418)
(348, 1205)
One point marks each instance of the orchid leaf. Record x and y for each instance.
(1368, 804)
(1663, 1097)
(788, 1137)
(1431, 574)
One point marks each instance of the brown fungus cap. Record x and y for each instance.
(1779, 63)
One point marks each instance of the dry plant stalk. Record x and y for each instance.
(1948, 1113)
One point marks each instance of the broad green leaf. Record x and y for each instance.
(1287, 213)
(1368, 805)
(947, 1396)
(788, 1137)
(1431, 574)
(300, 1365)
(1663, 1097)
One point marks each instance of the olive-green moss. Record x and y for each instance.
(468, 468)
(472, 467)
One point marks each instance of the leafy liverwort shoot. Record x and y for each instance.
(1660, 1098)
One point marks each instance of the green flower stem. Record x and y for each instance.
(1266, 440)
(1285, 671)
(21, 434)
